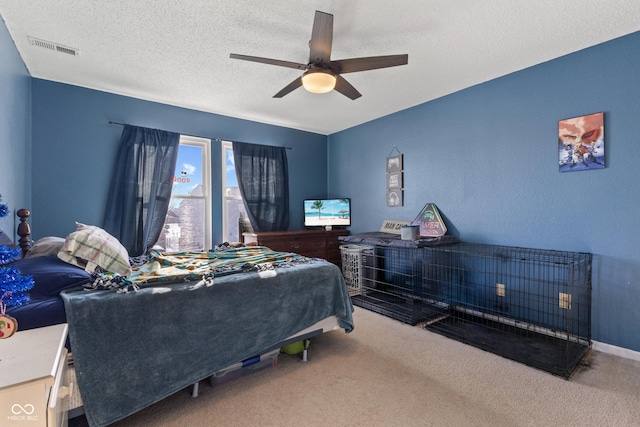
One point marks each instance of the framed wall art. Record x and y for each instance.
(394, 198)
(394, 163)
(581, 143)
(395, 179)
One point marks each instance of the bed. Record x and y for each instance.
(137, 339)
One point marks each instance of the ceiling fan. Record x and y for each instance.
(321, 74)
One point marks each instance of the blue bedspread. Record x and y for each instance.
(133, 349)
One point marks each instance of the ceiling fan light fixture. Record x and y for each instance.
(318, 81)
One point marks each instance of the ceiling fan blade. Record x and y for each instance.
(321, 38)
(289, 88)
(345, 88)
(269, 61)
(368, 63)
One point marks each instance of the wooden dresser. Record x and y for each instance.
(311, 243)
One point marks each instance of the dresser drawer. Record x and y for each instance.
(300, 246)
(334, 245)
(333, 254)
(279, 245)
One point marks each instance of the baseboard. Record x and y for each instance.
(616, 351)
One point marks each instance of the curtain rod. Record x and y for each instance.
(195, 136)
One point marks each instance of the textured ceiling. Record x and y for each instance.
(178, 52)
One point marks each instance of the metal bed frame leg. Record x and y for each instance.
(196, 388)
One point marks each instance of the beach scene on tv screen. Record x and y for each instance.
(326, 212)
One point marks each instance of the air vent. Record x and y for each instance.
(53, 46)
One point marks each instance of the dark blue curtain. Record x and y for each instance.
(141, 187)
(263, 180)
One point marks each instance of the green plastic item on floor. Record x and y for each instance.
(296, 347)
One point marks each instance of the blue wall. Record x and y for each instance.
(15, 131)
(487, 156)
(74, 150)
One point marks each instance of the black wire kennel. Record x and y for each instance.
(528, 305)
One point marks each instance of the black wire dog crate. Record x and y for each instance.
(388, 279)
(529, 305)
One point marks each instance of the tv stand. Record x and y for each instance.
(311, 243)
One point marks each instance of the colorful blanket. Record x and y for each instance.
(178, 267)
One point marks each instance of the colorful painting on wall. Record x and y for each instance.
(581, 143)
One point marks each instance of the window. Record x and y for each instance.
(187, 226)
(234, 216)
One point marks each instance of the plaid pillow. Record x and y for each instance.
(90, 247)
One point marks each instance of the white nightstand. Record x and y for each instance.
(32, 365)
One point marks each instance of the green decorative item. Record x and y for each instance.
(296, 347)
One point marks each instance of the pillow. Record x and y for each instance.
(50, 275)
(47, 246)
(90, 247)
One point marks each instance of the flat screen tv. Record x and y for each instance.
(327, 212)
